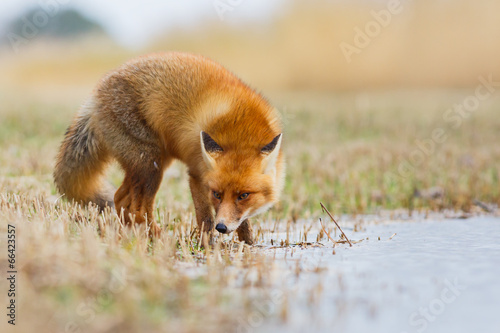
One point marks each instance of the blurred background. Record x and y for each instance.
(278, 45)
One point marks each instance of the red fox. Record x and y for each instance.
(168, 106)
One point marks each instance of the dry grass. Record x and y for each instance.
(352, 146)
(79, 271)
(344, 150)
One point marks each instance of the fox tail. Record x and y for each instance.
(81, 163)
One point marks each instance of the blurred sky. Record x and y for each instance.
(135, 23)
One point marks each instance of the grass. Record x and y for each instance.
(88, 274)
(94, 278)
(348, 156)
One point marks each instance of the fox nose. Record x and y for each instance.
(221, 227)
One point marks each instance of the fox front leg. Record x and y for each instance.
(245, 233)
(202, 206)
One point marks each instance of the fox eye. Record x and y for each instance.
(217, 195)
(243, 196)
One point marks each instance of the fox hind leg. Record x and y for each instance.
(136, 196)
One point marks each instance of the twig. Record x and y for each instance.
(326, 210)
(326, 232)
(484, 206)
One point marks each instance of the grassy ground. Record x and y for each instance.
(358, 153)
(344, 150)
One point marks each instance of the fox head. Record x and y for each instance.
(242, 181)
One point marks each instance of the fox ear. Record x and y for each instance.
(209, 147)
(271, 152)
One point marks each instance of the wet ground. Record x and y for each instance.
(432, 276)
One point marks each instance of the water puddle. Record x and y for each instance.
(432, 276)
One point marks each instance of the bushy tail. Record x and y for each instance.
(81, 162)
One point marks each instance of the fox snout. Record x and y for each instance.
(225, 226)
(221, 227)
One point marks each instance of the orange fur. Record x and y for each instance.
(152, 110)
